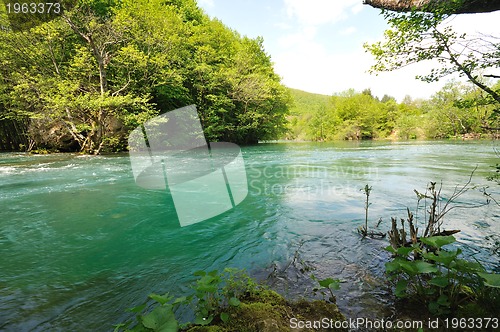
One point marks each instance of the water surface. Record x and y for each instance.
(80, 242)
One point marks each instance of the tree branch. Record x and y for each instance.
(462, 7)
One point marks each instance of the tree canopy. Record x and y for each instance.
(426, 36)
(452, 112)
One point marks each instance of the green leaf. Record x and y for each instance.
(180, 300)
(401, 287)
(224, 316)
(201, 320)
(200, 273)
(325, 282)
(424, 267)
(463, 265)
(404, 251)
(392, 266)
(390, 249)
(335, 285)
(438, 241)
(161, 299)
(234, 301)
(138, 308)
(439, 281)
(161, 319)
(417, 267)
(443, 256)
(492, 279)
(443, 300)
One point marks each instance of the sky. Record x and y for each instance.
(317, 45)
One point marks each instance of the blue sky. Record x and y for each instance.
(317, 45)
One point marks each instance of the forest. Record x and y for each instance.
(82, 79)
(456, 111)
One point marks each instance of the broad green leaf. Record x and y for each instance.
(418, 267)
(234, 301)
(335, 285)
(161, 299)
(404, 251)
(444, 257)
(438, 241)
(434, 307)
(390, 249)
(401, 287)
(392, 266)
(161, 319)
(326, 282)
(224, 316)
(200, 273)
(206, 288)
(439, 281)
(463, 265)
(201, 320)
(424, 267)
(443, 300)
(180, 300)
(492, 279)
(138, 308)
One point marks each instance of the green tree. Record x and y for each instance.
(85, 78)
(420, 36)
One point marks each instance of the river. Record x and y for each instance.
(80, 242)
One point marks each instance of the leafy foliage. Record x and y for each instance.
(326, 285)
(103, 67)
(424, 271)
(457, 110)
(214, 293)
(438, 277)
(426, 36)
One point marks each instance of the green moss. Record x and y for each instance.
(267, 311)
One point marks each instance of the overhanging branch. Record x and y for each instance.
(456, 6)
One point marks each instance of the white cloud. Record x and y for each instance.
(206, 3)
(317, 12)
(306, 62)
(485, 23)
(348, 31)
(311, 68)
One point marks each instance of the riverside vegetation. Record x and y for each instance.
(82, 80)
(229, 301)
(425, 272)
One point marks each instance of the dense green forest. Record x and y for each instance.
(82, 79)
(457, 110)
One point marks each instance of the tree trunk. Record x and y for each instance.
(461, 7)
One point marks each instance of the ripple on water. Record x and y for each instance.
(80, 242)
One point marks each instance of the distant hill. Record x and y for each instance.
(305, 105)
(306, 102)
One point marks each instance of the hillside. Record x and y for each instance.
(304, 106)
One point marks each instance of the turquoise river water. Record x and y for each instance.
(80, 242)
